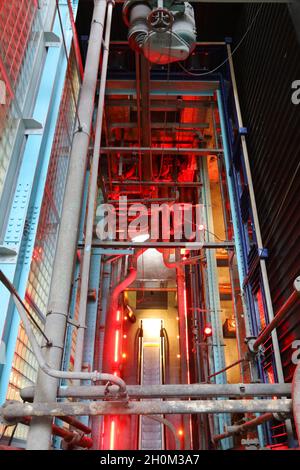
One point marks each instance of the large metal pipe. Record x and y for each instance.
(170, 391)
(12, 412)
(92, 198)
(40, 430)
(279, 317)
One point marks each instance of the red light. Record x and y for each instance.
(117, 346)
(112, 435)
(208, 330)
(118, 315)
(124, 355)
(37, 253)
(180, 432)
(124, 336)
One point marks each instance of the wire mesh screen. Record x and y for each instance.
(24, 369)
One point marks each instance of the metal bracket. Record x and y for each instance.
(73, 322)
(32, 126)
(7, 254)
(51, 39)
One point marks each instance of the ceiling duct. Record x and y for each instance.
(162, 30)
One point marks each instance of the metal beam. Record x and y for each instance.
(165, 150)
(181, 244)
(11, 412)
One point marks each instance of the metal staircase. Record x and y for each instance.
(151, 433)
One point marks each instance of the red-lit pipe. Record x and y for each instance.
(114, 304)
(71, 437)
(76, 424)
(3, 447)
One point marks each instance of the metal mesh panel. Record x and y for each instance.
(19, 30)
(24, 367)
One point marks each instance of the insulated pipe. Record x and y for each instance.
(279, 317)
(243, 428)
(12, 411)
(92, 198)
(40, 430)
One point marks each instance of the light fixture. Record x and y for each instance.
(141, 237)
(208, 330)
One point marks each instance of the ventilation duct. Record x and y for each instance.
(163, 30)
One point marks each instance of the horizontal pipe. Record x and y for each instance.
(161, 125)
(279, 317)
(171, 391)
(165, 150)
(150, 244)
(192, 184)
(14, 411)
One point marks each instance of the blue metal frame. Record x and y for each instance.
(24, 213)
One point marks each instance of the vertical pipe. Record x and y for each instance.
(39, 436)
(92, 197)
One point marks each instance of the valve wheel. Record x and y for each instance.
(160, 20)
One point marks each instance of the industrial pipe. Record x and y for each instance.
(279, 317)
(12, 412)
(92, 198)
(70, 437)
(243, 428)
(43, 365)
(114, 300)
(170, 391)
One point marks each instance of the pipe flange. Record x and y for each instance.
(11, 421)
(250, 340)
